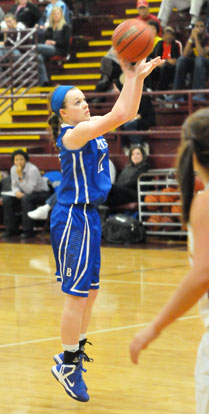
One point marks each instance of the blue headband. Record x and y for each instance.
(58, 97)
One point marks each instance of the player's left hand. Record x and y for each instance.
(143, 68)
(141, 341)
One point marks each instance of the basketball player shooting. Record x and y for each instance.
(75, 222)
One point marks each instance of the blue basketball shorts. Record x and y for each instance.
(76, 239)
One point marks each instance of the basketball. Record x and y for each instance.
(149, 198)
(166, 220)
(154, 219)
(168, 198)
(176, 209)
(133, 40)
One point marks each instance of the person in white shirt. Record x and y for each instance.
(193, 156)
(167, 7)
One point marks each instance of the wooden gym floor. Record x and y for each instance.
(135, 283)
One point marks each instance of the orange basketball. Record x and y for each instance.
(154, 219)
(176, 209)
(168, 198)
(133, 40)
(167, 219)
(151, 198)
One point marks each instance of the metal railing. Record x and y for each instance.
(17, 73)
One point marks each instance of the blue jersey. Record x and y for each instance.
(85, 172)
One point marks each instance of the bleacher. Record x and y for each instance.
(25, 126)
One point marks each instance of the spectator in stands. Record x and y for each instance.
(12, 35)
(167, 7)
(156, 29)
(110, 74)
(125, 188)
(195, 61)
(29, 189)
(57, 41)
(85, 9)
(144, 119)
(26, 12)
(169, 49)
(10, 22)
(44, 20)
(143, 9)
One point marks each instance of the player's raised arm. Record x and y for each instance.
(125, 108)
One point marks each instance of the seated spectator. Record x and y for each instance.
(44, 20)
(195, 61)
(110, 74)
(57, 42)
(10, 22)
(156, 28)
(26, 12)
(12, 35)
(28, 190)
(125, 188)
(84, 11)
(169, 49)
(143, 9)
(167, 7)
(143, 121)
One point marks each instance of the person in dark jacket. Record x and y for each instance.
(125, 188)
(26, 12)
(144, 119)
(57, 41)
(169, 49)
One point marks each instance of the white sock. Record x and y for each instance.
(82, 337)
(70, 348)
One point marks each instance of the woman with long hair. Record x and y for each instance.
(75, 221)
(56, 41)
(193, 156)
(124, 190)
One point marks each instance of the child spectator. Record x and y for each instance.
(169, 49)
